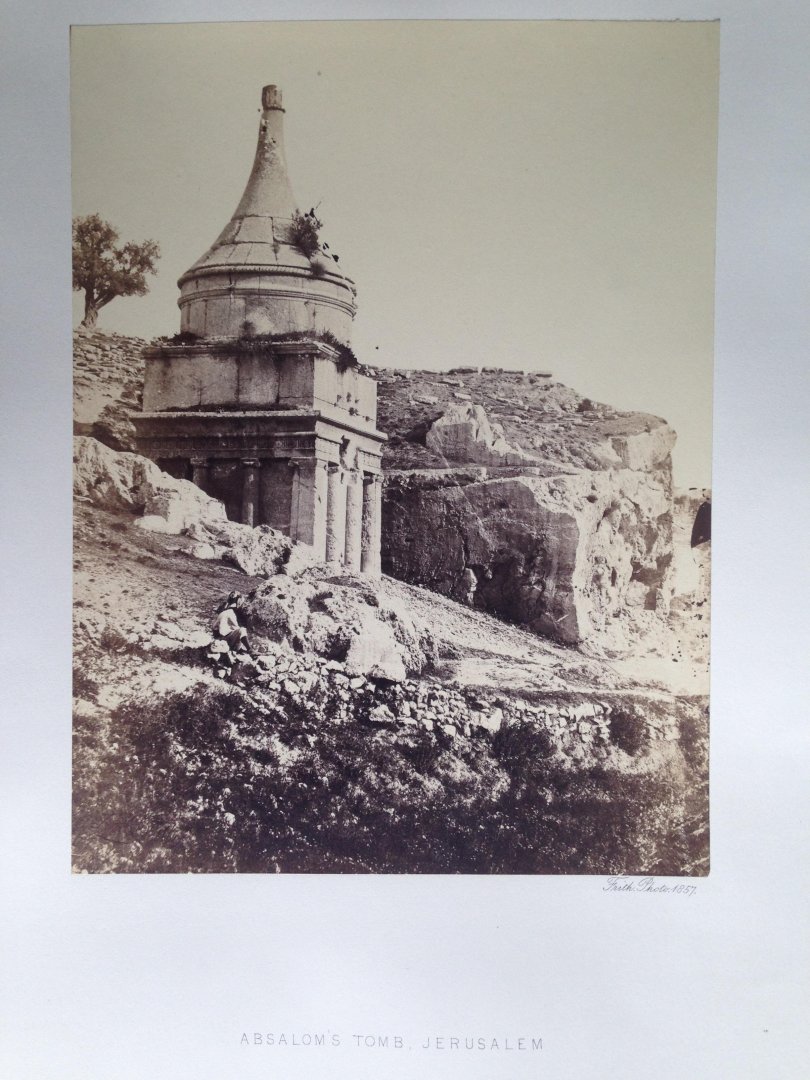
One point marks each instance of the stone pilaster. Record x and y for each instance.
(354, 520)
(335, 515)
(275, 494)
(371, 534)
(250, 491)
(199, 472)
(308, 509)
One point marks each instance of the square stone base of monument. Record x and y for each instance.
(259, 373)
(315, 480)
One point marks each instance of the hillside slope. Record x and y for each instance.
(490, 751)
(384, 728)
(107, 386)
(563, 430)
(549, 420)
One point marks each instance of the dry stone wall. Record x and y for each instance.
(568, 727)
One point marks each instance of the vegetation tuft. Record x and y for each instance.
(83, 686)
(253, 343)
(304, 233)
(184, 337)
(628, 730)
(318, 267)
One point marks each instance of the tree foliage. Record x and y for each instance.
(103, 271)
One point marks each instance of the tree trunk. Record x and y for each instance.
(90, 313)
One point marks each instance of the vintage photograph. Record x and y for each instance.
(393, 354)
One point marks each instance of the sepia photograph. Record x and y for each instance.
(392, 404)
(419, 453)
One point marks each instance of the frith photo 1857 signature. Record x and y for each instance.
(647, 885)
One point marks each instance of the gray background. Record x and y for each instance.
(135, 977)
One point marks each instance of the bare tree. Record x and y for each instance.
(103, 271)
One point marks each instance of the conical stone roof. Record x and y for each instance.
(255, 279)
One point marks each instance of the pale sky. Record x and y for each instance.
(528, 195)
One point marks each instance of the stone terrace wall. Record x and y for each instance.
(578, 727)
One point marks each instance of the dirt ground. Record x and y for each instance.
(148, 590)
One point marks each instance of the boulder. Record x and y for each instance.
(153, 523)
(114, 426)
(255, 551)
(342, 618)
(463, 433)
(381, 714)
(126, 481)
(374, 650)
(489, 721)
(644, 450)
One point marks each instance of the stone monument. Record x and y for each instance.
(259, 400)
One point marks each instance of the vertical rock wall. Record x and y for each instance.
(565, 555)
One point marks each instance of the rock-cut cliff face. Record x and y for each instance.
(527, 501)
(565, 555)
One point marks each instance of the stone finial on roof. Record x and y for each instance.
(271, 98)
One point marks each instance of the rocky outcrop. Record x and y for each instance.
(344, 619)
(463, 433)
(123, 481)
(555, 513)
(505, 490)
(107, 386)
(536, 417)
(690, 572)
(564, 555)
(514, 494)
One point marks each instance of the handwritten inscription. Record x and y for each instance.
(647, 885)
